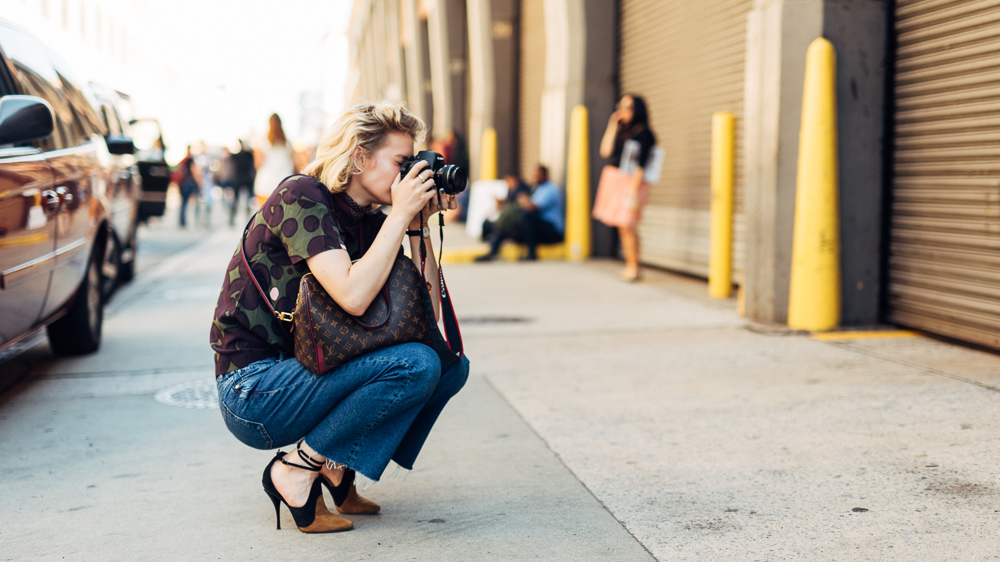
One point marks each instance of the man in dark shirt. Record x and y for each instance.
(243, 174)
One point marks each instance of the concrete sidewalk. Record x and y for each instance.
(712, 441)
(602, 421)
(123, 455)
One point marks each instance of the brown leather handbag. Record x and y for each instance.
(326, 336)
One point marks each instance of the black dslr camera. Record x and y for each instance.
(450, 179)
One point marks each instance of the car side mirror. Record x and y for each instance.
(119, 144)
(24, 118)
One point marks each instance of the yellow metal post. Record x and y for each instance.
(814, 297)
(578, 187)
(488, 155)
(720, 270)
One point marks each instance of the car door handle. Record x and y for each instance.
(50, 201)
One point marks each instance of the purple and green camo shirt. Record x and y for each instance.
(299, 220)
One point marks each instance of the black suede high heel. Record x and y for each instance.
(313, 516)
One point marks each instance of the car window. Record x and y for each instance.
(111, 121)
(37, 77)
(87, 121)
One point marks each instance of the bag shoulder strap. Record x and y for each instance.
(283, 316)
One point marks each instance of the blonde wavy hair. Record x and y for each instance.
(363, 126)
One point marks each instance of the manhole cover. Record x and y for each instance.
(199, 394)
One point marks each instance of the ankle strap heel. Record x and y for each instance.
(311, 465)
(313, 516)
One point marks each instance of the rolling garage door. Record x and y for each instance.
(944, 268)
(532, 82)
(687, 60)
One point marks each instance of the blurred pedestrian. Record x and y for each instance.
(621, 193)
(507, 206)
(209, 167)
(273, 160)
(188, 182)
(376, 408)
(241, 179)
(538, 218)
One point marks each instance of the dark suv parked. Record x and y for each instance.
(54, 207)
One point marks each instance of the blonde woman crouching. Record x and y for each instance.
(378, 407)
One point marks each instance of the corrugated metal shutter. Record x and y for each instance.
(532, 75)
(687, 60)
(944, 270)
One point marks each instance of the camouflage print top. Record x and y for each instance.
(299, 220)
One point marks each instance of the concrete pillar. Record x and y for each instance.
(395, 85)
(493, 79)
(482, 79)
(600, 93)
(414, 47)
(371, 83)
(580, 68)
(579, 61)
(380, 50)
(446, 23)
(778, 35)
(565, 63)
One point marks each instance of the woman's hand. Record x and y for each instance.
(608, 140)
(441, 202)
(413, 192)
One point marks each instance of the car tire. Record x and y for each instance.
(79, 331)
(126, 269)
(111, 266)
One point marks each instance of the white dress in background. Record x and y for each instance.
(277, 166)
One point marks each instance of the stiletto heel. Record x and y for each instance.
(313, 516)
(346, 497)
(276, 500)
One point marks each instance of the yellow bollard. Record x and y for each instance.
(578, 188)
(814, 297)
(488, 155)
(720, 262)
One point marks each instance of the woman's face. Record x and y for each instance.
(627, 108)
(379, 169)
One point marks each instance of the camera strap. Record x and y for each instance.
(452, 332)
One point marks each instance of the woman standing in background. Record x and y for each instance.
(621, 194)
(274, 160)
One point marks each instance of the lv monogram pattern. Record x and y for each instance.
(327, 337)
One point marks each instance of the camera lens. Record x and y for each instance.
(451, 179)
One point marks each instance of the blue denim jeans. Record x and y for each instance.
(376, 408)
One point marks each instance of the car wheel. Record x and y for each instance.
(126, 269)
(79, 331)
(111, 266)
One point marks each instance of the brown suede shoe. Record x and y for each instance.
(354, 504)
(326, 521)
(346, 497)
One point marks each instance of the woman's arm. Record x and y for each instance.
(608, 140)
(355, 285)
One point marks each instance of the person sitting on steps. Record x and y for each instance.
(536, 219)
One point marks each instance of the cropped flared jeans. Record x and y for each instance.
(376, 408)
